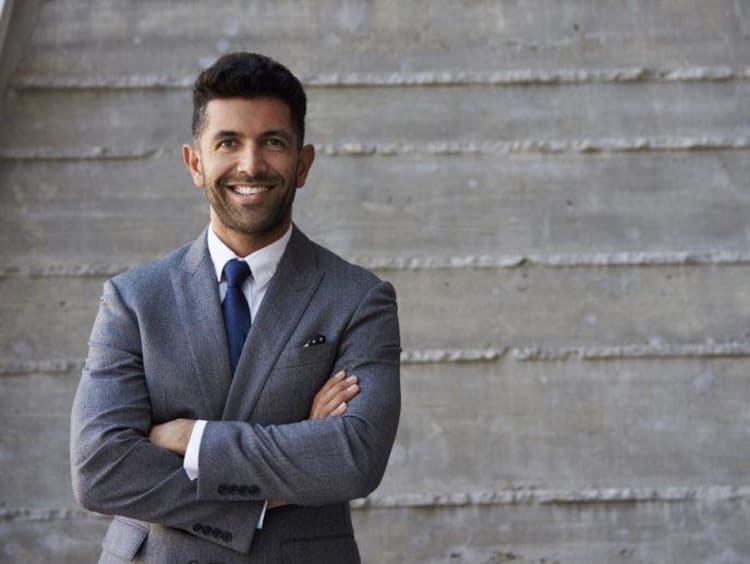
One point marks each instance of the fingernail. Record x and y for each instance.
(339, 375)
(352, 388)
(351, 379)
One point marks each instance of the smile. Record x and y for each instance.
(249, 190)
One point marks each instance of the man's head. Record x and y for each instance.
(247, 152)
(249, 75)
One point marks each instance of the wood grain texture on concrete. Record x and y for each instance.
(475, 308)
(176, 39)
(399, 210)
(489, 433)
(711, 532)
(558, 191)
(131, 122)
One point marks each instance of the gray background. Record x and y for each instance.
(558, 191)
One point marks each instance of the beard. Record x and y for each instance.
(252, 219)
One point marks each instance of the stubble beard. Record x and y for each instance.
(251, 219)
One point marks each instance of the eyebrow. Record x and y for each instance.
(277, 133)
(225, 134)
(228, 133)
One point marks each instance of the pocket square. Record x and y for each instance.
(316, 340)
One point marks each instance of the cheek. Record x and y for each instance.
(214, 170)
(300, 174)
(289, 171)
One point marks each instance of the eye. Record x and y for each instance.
(227, 144)
(275, 142)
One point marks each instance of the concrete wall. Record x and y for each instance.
(558, 190)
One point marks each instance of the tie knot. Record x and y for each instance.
(236, 271)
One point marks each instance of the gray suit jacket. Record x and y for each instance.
(158, 351)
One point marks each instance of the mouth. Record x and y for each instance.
(246, 190)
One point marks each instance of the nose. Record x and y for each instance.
(251, 161)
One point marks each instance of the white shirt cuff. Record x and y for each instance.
(262, 516)
(190, 463)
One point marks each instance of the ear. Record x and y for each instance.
(304, 163)
(192, 159)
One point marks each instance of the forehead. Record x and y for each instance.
(247, 115)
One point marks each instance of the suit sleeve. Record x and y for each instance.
(115, 468)
(327, 460)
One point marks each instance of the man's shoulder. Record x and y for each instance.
(346, 282)
(154, 271)
(344, 269)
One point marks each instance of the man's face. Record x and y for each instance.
(248, 161)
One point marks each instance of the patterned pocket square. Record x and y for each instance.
(316, 340)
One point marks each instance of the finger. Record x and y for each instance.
(334, 387)
(336, 390)
(349, 392)
(341, 396)
(324, 393)
(330, 384)
(340, 409)
(340, 375)
(326, 409)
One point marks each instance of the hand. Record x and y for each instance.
(332, 397)
(173, 435)
(328, 402)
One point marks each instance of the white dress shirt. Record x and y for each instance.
(263, 264)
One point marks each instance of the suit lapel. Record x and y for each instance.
(197, 295)
(289, 292)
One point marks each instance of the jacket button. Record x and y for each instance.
(222, 489)
(227, 537)
(197, 528)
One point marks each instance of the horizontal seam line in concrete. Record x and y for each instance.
(489, 354)
(543, 146)
(431, 263)
(515, 497)
(559, 497)
(513, 77)
(80, 154)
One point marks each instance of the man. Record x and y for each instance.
(206, 419)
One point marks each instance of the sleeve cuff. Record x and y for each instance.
(262, 515)
(190, 463)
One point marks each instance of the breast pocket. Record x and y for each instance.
(295, 379)
(306, 356)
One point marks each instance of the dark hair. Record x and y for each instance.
(249, 75)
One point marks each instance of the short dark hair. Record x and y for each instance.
(249, 75)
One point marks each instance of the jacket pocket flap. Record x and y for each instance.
(124, 538)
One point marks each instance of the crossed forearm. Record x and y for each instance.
(330, 401)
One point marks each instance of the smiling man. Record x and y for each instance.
(241, 390)
(248, 160)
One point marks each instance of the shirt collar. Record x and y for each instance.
(262, 262)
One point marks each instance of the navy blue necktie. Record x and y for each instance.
(235, 308)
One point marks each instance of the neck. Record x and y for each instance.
(245, 244)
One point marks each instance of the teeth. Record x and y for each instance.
(250, 190)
